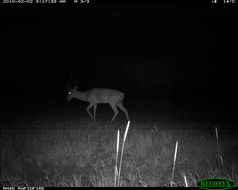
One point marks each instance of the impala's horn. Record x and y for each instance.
(70, 83)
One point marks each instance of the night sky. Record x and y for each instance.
(176, 52)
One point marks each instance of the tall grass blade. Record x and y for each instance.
(219, 155)
(175, 155)
(185, 180)
(117, 151)
(123, 144)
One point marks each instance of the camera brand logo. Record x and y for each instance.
(215, 183)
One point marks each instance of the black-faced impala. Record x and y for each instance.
(99, 96)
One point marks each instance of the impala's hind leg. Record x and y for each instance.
(88, 110)
(122, 108)
(115, 110)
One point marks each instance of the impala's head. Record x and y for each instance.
(71, 93)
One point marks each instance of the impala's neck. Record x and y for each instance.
(81, 95)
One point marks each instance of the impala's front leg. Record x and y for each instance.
(94, 111)
(88, 108)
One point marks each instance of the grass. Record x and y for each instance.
(60, 152)
(118, 171)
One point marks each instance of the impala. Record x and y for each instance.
(99, 96)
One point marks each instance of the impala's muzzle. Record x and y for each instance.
(69, 97)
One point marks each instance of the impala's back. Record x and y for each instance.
(104, 95)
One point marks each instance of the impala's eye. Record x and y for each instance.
(69, 92)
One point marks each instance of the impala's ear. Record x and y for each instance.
(75, 88)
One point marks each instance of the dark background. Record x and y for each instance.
(166, 57)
